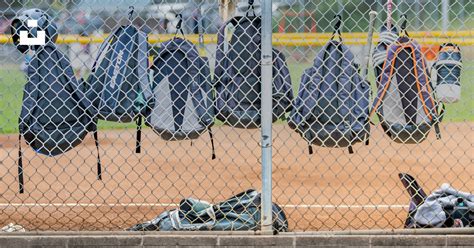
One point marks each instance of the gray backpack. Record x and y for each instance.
(332, 106)
(54, 116)
(182, 106)
(118, 84)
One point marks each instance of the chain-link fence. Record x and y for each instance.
(135, 109)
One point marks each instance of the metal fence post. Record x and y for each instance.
(445, 15)
(266, 117)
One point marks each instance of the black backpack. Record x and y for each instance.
(332, 106)
(238, 76)
(54, 117)
(118, 86)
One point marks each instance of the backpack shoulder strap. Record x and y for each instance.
(143, 65)
(30, 94)
(222, 48)
(345, 80)
(104, 47)
(387, 73)
(66, 69)
(305, 97)
(423, 81)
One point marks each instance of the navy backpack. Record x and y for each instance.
(118, 86)
(332, 106)
(237, 75)
(54, 116)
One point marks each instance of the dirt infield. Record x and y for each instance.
(329, 190)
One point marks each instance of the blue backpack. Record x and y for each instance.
(332, 106)
(54, 116)
(118, 86)
(182, 106)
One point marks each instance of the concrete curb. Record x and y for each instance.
(225, 239)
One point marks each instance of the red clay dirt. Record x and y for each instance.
(329, 190)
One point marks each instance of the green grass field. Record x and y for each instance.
(12, 81)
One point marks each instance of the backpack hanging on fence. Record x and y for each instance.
(118, 84)
(405, 103)
(332, 106)
(239, 213)
(183, 106)
(238, 75)
(54, 117)
(447, 68)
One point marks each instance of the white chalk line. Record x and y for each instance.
(30, 205)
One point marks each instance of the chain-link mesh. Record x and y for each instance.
(175, 86)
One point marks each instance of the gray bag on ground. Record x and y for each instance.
(239, 213)
(446, 207)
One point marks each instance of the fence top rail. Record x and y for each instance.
(284, 39)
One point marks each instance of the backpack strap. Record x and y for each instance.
(221, 58)
(103, 48)
(28, 106)
(20, 167)
(194, 73)
(386, 76)
(423, 81)
(347, 86)
(139, 134)
(212, 143)
(144, 82)
(221, 68)
(77, 90)
(29, 101)
(310, 148)
(99, 166)
(143, 65)
(438, 120)
(337, 28)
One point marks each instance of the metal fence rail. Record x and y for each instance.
(256, 66)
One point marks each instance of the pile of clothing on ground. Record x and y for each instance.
(444, 207)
